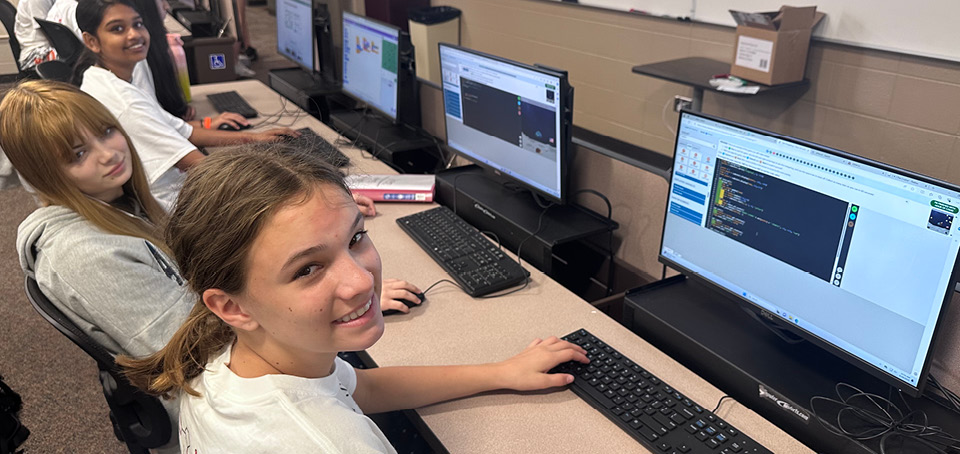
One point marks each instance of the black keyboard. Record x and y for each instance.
(231, 101)
(469, 257)
(652, 412)
(312, 141)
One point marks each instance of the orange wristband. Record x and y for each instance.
(206, 122)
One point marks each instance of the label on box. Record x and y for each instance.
(754, 53)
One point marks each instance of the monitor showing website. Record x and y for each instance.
(370, 62)
(859, 255)
(505, 115)
(295, 31)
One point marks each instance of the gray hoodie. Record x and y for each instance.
(120, 290)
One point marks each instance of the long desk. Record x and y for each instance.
(453, 328)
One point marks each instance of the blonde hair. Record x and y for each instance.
(224, 204)
(40, 123)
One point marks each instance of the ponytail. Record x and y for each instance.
(170, 370)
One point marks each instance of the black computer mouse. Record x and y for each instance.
(229, 127)
(407, 303)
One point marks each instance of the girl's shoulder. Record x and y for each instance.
(58, 232)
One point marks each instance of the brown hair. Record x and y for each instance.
(40, 122)
(225, 202)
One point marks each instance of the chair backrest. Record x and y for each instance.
(8, 15)
(55, 70)
(68, 45)
(139, 420)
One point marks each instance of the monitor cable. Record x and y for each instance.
(610, 254)
(864, 416)
(720, 402)
(946, 397)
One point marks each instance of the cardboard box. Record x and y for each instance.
(771, 47)
(210, 59)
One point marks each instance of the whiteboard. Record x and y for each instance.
(919, 27)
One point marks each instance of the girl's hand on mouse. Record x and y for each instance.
(527, 371)
(233, 119)
(396, 289)
(365, 204)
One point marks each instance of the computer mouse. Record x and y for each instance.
(229, 127)
(407, 303)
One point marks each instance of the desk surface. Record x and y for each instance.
(453, 328)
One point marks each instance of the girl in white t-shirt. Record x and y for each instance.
(117, 40)
(275, 247)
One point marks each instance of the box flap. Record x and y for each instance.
(794, 18)
(755, 20)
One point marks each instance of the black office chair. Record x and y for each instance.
(55, 70)
(139, 420)
(68, 44)
(8, 15)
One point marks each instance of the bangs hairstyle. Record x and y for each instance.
(41, 122)
(223, 206)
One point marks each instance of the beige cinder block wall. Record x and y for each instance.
(900, 109)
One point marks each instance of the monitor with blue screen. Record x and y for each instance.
(859, 257)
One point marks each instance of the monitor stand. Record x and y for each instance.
(514, 216)
(401, 147)
(706, 331)
(305, 89)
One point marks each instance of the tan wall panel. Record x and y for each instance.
(927, 104)
(923, 151)
(861, 90)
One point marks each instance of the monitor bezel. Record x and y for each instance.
(565, 104)
(394, 118)
(313, 42)
(914, 391)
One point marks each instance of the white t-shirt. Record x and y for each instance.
(276, 413)
(32, 42)
(65, 12)
(159, 137)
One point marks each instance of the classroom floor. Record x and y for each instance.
(62, 403)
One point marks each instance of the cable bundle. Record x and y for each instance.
(866, 416)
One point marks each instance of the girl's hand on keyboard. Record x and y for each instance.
(273, 135)
(527, 371)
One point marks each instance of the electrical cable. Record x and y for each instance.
(947, 398)
(663, 117)
(719, 402)
(867, 416)
(611, 255)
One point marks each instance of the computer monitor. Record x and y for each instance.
(856, 256)
(509, 117)
(371, 63)
(295, 32)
